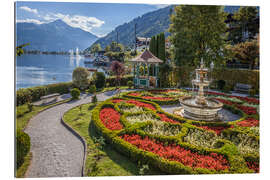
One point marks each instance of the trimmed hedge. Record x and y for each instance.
(230, 76)
(123, 82)
(225, 146)
(25, 95)
(22, 147)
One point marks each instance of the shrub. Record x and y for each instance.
(75, 93)
(94, 99)
(221, 84)
(25, 95)
(92, 89)
(123, 81)
(80, 78)
(22, 147)
(30, 107)
(252, 92)
(99, 79)
(130, 84)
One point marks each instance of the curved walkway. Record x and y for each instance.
(56, 151)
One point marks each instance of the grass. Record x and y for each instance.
(23, 168)
(21, 123)
(103, 161)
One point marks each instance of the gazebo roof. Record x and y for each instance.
(146, 57)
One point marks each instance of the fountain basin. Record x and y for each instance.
(201, 112)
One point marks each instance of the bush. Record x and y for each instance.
(227, 89)
(99, 79)
(252, 92)
(94, 99)
(75, 93)
(92, 89)
(130, 84)
(123, 81)
(25, 95)
(22, 147)
(80, 78)
(30, 107)
(221, 84)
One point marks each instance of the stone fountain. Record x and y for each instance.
(199, 107)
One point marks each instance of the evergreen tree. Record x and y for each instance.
(198, 32)
(161, 50)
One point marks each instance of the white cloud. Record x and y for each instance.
(84, 22)
(29, 21)
(161, 5)
(29, 9)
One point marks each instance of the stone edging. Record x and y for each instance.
(80, 138)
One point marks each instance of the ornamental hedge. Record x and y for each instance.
(33, 94)
(142, 131)
(230, 76)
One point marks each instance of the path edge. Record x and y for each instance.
(74, 132)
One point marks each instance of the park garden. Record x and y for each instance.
(127, 121)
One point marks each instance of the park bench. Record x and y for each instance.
(50, 97)
(242, 88)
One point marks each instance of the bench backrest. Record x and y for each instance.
(244, 86)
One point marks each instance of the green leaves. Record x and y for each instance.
(198, 32)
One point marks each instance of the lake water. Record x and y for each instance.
(35, 70)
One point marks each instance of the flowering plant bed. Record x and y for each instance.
(142, 131)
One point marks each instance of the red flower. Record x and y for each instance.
(110, 118)
(157, 98)
(249, 122)
(247, 110)
(254, 166)
(217, 129)
(166, 119)
(117, 100)
(177, 153)
(141, 104)
(134, 94)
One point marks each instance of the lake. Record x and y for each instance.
(38, 69)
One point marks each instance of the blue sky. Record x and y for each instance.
(97, 18)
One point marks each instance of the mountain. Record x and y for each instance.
(148, 25)
(53, 36)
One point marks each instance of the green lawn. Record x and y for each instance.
(100, 161)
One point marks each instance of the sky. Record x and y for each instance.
(97, 18)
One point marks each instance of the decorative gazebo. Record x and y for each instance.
(146, 67)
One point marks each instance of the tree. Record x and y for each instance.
(247, 52)
(80, 77)
(95, 48)
(161, 47)
(108, 48)
(99, 79)
(118, 69)
(19, 49)
(198, 32)
(246, 18)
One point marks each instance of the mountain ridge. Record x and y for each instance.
(53, 36)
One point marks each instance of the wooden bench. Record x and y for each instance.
(242, 88)
(49, 97)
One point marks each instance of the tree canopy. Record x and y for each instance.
(95, 48)
(198, 32)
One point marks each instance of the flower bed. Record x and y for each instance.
(164, 118)
(175, 152)
(249, 122)
(248, 110)
(254, 166)
(157, 98)
(177, 145)
(110, 118)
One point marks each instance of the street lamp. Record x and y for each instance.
(212, 65)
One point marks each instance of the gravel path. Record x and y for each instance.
(56, 151)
